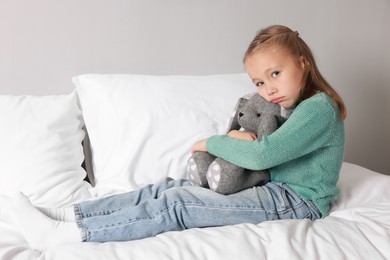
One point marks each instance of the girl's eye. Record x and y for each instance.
(259, 84)
(275, 74)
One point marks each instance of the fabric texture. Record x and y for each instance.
(306, 152)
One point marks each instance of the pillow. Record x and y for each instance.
(41, 151)
(142, 128)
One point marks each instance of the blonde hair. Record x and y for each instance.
(289, 40)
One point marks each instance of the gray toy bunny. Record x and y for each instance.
(253, 114)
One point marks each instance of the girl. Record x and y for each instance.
(304, 157)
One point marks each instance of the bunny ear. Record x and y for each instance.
(233, 124)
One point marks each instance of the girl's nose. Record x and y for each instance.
(271, 90)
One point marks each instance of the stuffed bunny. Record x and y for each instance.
(253, 114)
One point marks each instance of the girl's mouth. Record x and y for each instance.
(277, 100)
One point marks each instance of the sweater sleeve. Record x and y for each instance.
(305, 131)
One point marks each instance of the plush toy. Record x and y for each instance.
(253, 114)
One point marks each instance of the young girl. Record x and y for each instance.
(304, 157)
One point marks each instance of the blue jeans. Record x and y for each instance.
(173, 205)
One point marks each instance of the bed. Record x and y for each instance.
(114, 133)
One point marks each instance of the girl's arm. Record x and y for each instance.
(200, 146)
(306, 130)
(242, 135)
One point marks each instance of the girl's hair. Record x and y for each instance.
(288, 40)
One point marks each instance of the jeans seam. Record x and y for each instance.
(79, 219)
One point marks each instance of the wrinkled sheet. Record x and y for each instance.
(358, 227)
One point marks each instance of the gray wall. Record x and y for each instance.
(44, 43)
(386, 113)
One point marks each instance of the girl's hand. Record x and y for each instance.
(242, 135)
(199, 146)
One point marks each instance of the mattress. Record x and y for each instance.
(358, 227)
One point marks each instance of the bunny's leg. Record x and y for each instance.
(197, 167)
(226, 178)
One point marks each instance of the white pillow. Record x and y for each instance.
(142, 128)
(41, 149)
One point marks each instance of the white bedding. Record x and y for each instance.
(357, 228)
(128, 115)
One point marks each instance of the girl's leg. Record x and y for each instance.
(62, 214)
(195, 207)
(40, 231)
(111, 204)
(174, 209)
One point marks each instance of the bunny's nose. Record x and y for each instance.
(240, 114)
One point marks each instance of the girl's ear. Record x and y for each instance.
(303, 63)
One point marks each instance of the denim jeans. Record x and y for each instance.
(173, 205)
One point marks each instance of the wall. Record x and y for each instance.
(387, 110)
(44, 43)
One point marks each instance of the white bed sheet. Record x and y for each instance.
(358, 227)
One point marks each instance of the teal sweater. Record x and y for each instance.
(306, 152)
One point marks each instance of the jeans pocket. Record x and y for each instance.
(292, 204)
(284, 195)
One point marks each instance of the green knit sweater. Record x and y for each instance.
(306, 152)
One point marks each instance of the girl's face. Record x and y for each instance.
(277, 75)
